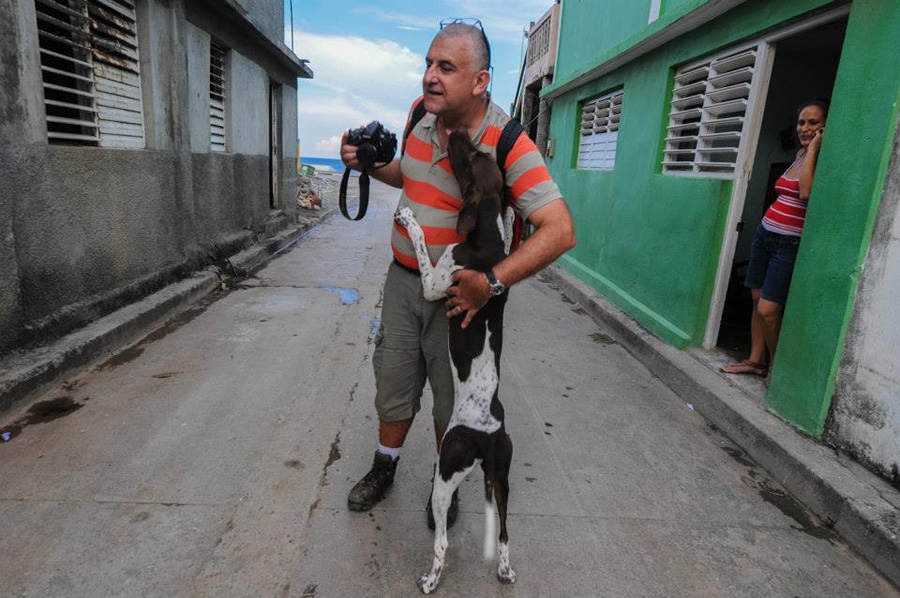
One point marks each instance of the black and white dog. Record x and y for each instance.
(476, 433)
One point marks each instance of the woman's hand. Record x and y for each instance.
(816, 142)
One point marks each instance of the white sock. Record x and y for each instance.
(386, 450)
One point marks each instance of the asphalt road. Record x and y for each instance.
(214, 458)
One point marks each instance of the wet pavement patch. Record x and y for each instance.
(41, 413)
(161, 332)
(772, 493)
(602, 339)
(739, 456)
(788, 505)
(347, 296)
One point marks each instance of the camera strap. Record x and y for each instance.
(363, 194)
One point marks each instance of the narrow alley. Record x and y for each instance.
(214, 457)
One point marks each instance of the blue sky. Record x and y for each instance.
(368, 58)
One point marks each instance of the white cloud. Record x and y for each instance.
(357, 80)
(406, 20)
(330, 146)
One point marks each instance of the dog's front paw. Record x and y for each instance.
(428, 582)
(403, 216)
(506, 574)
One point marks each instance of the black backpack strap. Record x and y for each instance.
(418, 114)
(508, 138)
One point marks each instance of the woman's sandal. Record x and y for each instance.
(745, 367)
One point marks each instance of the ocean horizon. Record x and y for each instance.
(334, 163)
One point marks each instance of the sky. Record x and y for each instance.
(368, 58)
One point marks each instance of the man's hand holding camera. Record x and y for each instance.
(369, 147)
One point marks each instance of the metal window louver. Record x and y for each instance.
(599, 131)
(217, 96)
(90, 69)
(708, 109)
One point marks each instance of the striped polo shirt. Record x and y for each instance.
(432, 193)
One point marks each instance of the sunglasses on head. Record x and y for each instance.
(472, 22)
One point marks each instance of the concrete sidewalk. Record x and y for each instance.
(26, 373)
(858, 505)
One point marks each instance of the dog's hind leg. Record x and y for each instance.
(441, 494)
(490, 518)
(505, 572)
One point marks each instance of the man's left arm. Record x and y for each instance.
(554, 235)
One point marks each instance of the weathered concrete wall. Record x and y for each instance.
(197, 45)
(248, 109)
(22, 129)
(87, 220)
(268, 16)
(82, 228)
(865, 418)
(289, 149)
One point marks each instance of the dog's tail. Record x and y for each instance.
(490, 521)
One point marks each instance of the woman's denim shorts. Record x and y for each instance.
(771, 267)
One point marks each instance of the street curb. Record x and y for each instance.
(853, 503)
(27, 374)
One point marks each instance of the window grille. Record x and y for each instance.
(600, 132)
(90, 70)
(217, 96)
(539, 42)
(708, 108)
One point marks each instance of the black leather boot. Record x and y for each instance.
(369, 490)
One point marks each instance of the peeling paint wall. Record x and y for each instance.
(865, 419)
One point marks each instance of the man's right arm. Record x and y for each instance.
(388, 174)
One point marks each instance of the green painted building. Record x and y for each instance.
(670, 121)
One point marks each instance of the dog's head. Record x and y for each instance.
(480, 180)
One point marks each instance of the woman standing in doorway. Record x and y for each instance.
(777, 240)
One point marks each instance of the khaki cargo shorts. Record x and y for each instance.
(410, 348)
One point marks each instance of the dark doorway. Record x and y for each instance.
(274, 145)
(805, 68)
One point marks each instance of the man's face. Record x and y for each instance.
(451, 79)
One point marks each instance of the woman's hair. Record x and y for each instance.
(820, 103)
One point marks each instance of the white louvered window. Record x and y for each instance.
(710, 102)
(600, 131)
(91, 75)
(217, 97)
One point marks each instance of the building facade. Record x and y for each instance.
(139, 138)
(670, 121)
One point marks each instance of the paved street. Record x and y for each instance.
(214, 459)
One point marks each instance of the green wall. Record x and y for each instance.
(598, 29)
(650, 242)
(843, 203)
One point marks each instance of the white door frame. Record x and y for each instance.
(746, 156)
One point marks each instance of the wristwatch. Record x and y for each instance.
(496, 287)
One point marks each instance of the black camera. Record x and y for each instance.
(373, 144)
